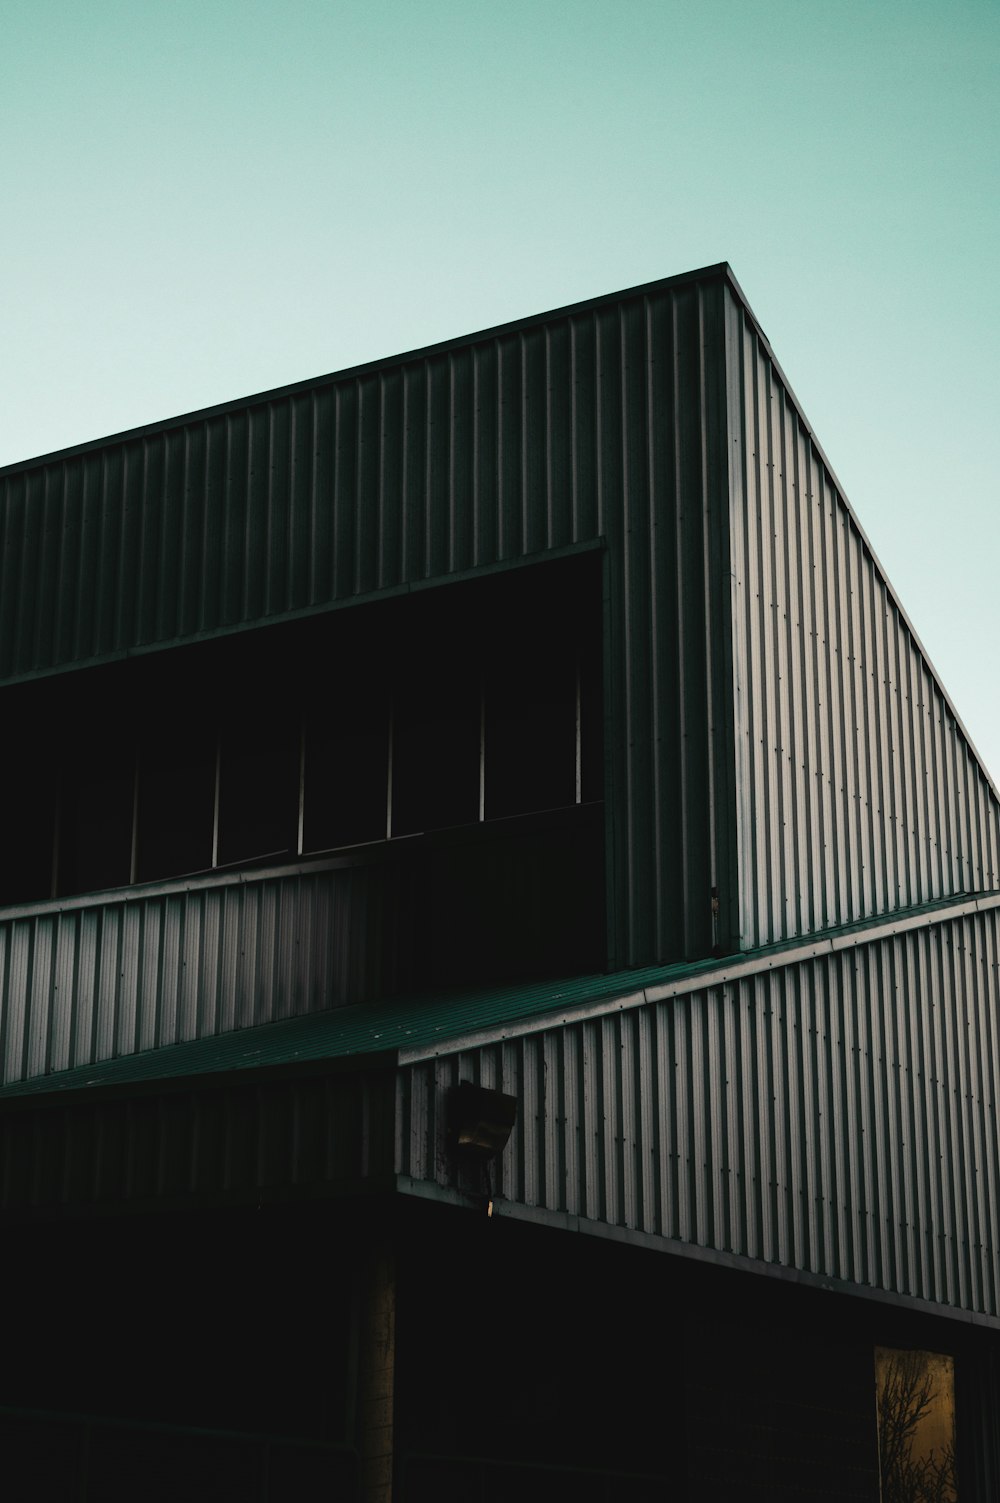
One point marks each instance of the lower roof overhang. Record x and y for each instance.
(317, 1128)
(308, 1108)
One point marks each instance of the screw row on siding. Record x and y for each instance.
(837, 1116)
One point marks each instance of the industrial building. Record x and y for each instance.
(499, 948)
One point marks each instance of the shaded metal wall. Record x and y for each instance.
(92, 978)
(234, 1141)
(89, 979)
(606, 421)
(837, 1115)
(858, 790)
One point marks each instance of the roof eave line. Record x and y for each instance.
(733, 968)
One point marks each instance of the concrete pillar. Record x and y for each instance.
(376, 1374)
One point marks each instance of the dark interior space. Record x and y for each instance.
(457, 730)
(204, 1356)
(529, 1362)
(528, 1349)
(523, 1347)
(209, 1319)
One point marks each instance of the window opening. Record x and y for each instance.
(133, 865)
(530, 733)
(258, 764)
(915, 1406)
(95, 846)
(258, 788)
(175, 826)
(435, 742)
(346, 767)
(54, 858)
(448, 707)
(30, 780)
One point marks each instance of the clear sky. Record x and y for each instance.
(203, 200)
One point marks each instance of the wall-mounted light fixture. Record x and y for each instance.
(480, 1120)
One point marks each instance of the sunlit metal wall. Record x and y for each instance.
(602, 422)
(836, 1115)
(87, 979)
(858, 790)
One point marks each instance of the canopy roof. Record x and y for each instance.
(405, 1029)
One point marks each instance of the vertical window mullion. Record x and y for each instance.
(215, 798)
(133, 864)
(299, 839)
(56, 833)
(579, 736)
(388, 780)
(482, 746)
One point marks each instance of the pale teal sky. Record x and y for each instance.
(204, 200)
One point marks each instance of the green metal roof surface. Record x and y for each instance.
(421, 1022)
(365, 1028)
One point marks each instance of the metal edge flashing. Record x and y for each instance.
(708, 974)
(740, 876)
(721, 700)
(699, 975)
(60, 1097)
(168, 887)
(738, 1263)
(719, 269)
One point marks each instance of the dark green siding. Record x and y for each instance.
(601, 423)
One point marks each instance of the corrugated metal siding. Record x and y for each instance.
(859, 792)
(235, 1142)
(604, 422)
(93, 980)
(495, 450)
(837, 1116)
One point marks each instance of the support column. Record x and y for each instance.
(376, 1374)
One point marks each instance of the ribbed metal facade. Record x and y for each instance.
(858, 790)
(837, 1115)
(232, 1142)
(88, 980)
(779, 760)
(773, 730)
(601, 423)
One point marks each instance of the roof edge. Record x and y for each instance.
(720, 270)
(381, 1044)
(703, 974)
(859, 528)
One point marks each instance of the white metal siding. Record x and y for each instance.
(858, 790)
(836, 1115)
(95, 978)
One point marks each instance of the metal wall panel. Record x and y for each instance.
(859, 791)
(191, 1140)
(836, 1115)
(91, 979)
(606, 421)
